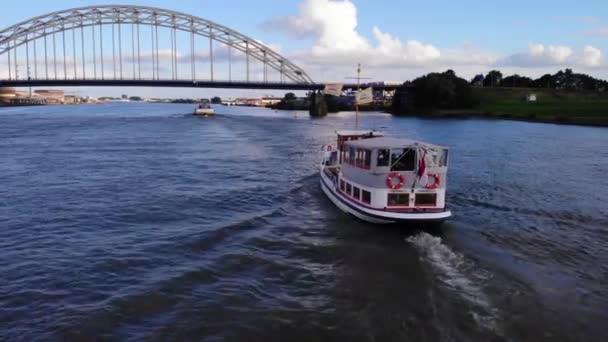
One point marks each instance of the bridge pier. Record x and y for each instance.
(318, 106)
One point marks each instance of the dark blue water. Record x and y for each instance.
(139, 221)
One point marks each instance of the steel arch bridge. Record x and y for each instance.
(139, 46)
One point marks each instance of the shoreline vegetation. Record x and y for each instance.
(573, 108)
(562, 98)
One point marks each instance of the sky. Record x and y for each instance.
(393, 40)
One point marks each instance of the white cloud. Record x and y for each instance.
(220, 54)
(540, 55)
(554, 54)
(333, 24)
(336, 25)
(329, 21)
(592, 56)
(337, 45)
(412, 50)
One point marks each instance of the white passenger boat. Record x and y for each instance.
(204, 109)
(386, 180)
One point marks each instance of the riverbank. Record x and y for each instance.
(584, 108)
(577, 108)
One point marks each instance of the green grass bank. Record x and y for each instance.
(584, 108)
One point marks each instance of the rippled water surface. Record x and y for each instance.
(139, 221)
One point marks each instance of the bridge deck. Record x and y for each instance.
(180, 84)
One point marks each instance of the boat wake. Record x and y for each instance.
(458, 275)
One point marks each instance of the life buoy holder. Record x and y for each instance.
(436, 183)
(391, 184)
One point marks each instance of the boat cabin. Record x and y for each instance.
(345, 136)
(393, 174)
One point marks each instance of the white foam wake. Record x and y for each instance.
(459, 275)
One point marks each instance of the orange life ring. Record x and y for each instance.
(435, 184)
(389, 180)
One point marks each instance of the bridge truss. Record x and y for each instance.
(137, 44)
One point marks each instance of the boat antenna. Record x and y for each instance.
(358, 78)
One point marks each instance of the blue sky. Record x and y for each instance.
(502, 26)
(399, 40)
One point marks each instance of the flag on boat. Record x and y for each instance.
(422, 175)
(365, 96)
(334, 89)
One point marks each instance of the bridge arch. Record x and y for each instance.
(22, 35)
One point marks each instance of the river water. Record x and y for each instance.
(140, 221)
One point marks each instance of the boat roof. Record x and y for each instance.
(358, 132)
(389, 142)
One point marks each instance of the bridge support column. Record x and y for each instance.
(318, 106)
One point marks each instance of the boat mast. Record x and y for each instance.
(356, 100)
(359, 78)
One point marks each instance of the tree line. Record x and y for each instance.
(434, 91)
(448, 91)
(562, 80)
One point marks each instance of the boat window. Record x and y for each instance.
(351, 155)
(348, 188)
(383, 158)
(403, 159)
(426, 200)
(367, 159)
(395, 200)
(356, 192)
(366, 196)
(363, 159)
(342, 185)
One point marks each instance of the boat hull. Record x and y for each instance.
(204, 112)
(376, 215)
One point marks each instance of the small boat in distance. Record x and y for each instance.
(386, 180)
(204, 109)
